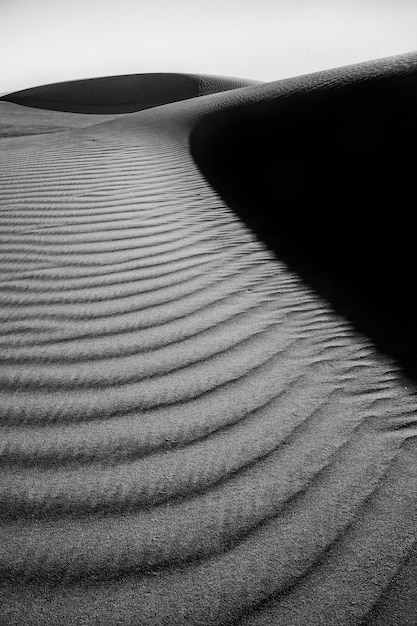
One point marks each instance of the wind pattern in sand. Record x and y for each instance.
(189, 434)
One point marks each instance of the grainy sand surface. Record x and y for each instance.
(191, 432)
(18, 120)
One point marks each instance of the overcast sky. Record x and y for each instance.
(44, 41)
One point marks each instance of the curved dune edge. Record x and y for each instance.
(189, 433)
(122, 94)
(77, 104)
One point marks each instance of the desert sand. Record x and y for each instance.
(207, 350)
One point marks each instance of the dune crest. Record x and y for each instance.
(201, 422)
(122, 94)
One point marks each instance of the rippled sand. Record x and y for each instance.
(191, 431)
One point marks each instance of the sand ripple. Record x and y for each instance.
(189, 434)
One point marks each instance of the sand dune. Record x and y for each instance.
(208, 409)
(42, 109)
(123, 94)
(17, 120)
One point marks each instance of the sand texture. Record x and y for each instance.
(123, 94)
(207, 351)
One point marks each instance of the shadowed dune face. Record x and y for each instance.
(327, 180)
(122, 94)
(76, 104)
(192, 431)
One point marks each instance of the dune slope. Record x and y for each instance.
(76, 104)
(17, 120)
(195, 427)
(122, 94)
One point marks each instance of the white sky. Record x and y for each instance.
(45, 41)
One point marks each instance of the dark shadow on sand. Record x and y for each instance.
(328, 180)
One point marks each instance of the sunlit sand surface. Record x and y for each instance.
(194, 429)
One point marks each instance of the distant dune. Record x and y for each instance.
(122, 94)
(208, 371)
(41, 109)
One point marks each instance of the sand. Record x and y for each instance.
(208, 409)
(123, 94)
